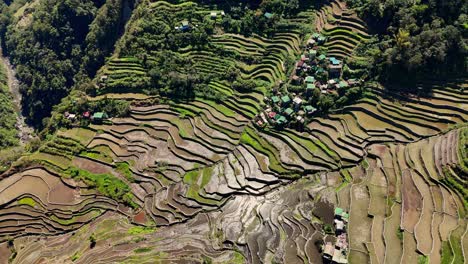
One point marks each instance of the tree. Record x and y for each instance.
(402, 38)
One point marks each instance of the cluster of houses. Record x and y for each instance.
(283, 109)
(314, 64)
(313, 71)
(337, 252)
(96, 117)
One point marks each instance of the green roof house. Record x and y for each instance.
(322, 57)
(275, 99)
(338, 211)
(343, 84)
(268, 15)
(321, 39)
(310, 86)
(309, 79)
(280, 119)
(345, 216)
(309, 109)
(312, 53)
(288, 111)
(315, 35)
(100, 115)
(285, 99)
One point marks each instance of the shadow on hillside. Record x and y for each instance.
(403, 92)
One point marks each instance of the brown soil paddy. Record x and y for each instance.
(412, 202)
(25, 185)
(91, 166)
(140, 218)
(325, 211)
(63, 194)
(4, 253)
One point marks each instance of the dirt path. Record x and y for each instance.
(25, 132)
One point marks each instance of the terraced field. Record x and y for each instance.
(344, 29)
(196, 181)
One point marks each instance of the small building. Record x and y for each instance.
(288, 111)
(304, 58)
(338, 212)
(297, 101)
(339, 257)
(262, 116)
(300, 64)
(334, 61)
(343, 84)
(268, 15)
(185, 25)
(99, 116)
(309, 89)
(275, 99)
(213, 15)
(285, 100)
(71, 117)
(339, 225)
(280, 120)
(345, 217)
(312, 54)
(272, 115)
(311, 42)
(321, 39)
(103, 78)
(87, 114)
(335, 70)
(300, 119)
(310, 109)
(322, 57)
(328, 251)
(296, 80)
(353, 82)
(309, 79)
(222, 13)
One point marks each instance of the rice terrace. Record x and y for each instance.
(263, 131)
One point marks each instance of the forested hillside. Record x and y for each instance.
(420, 40)
(57, 44)
(8, 132)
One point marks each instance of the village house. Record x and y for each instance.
(297, 102)
(312, 54)
(285, 100)
(339, 226)
(98, 117)
(184, 26)
(297, 80)
(275, 99)
(339, 257)
(309, 79)
(309, 109)
(328, 251)
(334, 71)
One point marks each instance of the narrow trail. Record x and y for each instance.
(25, 132)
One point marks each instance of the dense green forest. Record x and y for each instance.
(63, 44)
(424, 39)
(8, 132)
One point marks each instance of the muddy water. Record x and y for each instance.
(25, 132)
